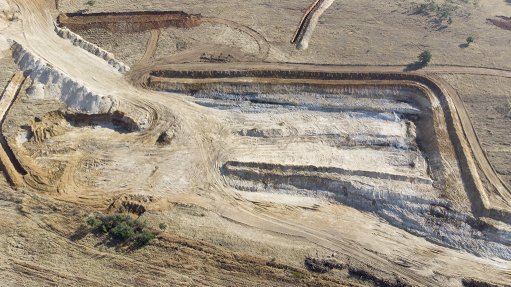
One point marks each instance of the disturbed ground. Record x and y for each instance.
(267, 172)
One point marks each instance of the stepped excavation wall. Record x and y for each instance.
(444, 112)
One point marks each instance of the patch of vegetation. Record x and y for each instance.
(470, 40)
(442, 12)
(321, 265)
(122, 229)
(162, 226)
(90, 2)
(365, 275)
(425, 57)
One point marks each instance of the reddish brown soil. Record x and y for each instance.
(130, 22)
(501, 22)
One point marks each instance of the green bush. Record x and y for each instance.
(162, 226)
(470, 40)
(122, 228)
(144, 238)
(90, 2)
(425, 57)
(93, 222)
(122, 232)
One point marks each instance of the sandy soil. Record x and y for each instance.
(254, 174)
(488, 101)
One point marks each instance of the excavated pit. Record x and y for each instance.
(384, 143)
(115, 121)
(388, 127)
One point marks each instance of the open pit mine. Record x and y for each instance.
(146, 146)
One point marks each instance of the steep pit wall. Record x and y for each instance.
(129, 22)
(91, 48)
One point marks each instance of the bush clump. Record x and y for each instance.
(122, 228)
(470, 40)
(442, 12)
(425, 57)
(162, 226)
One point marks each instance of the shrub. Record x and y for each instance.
(93, 222)
(122, 232)
(144, 238)
(426, 8)
(162, 226)
(122, 228)
(425, 57)
(442, 12)
(90, 2)
(470, 40)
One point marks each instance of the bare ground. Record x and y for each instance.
(251, 178)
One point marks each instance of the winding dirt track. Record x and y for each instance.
(480, 156)
(38, 37)
(264, 46)
(152, 44)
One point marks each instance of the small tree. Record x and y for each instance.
(470, 40)
(425, 57)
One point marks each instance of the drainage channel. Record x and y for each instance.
(12, 167)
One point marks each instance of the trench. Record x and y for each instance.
(115, 121)
(308, 22)
(3, 142)
(129, 22)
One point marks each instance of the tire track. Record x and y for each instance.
(264, 46)
(152, 44)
